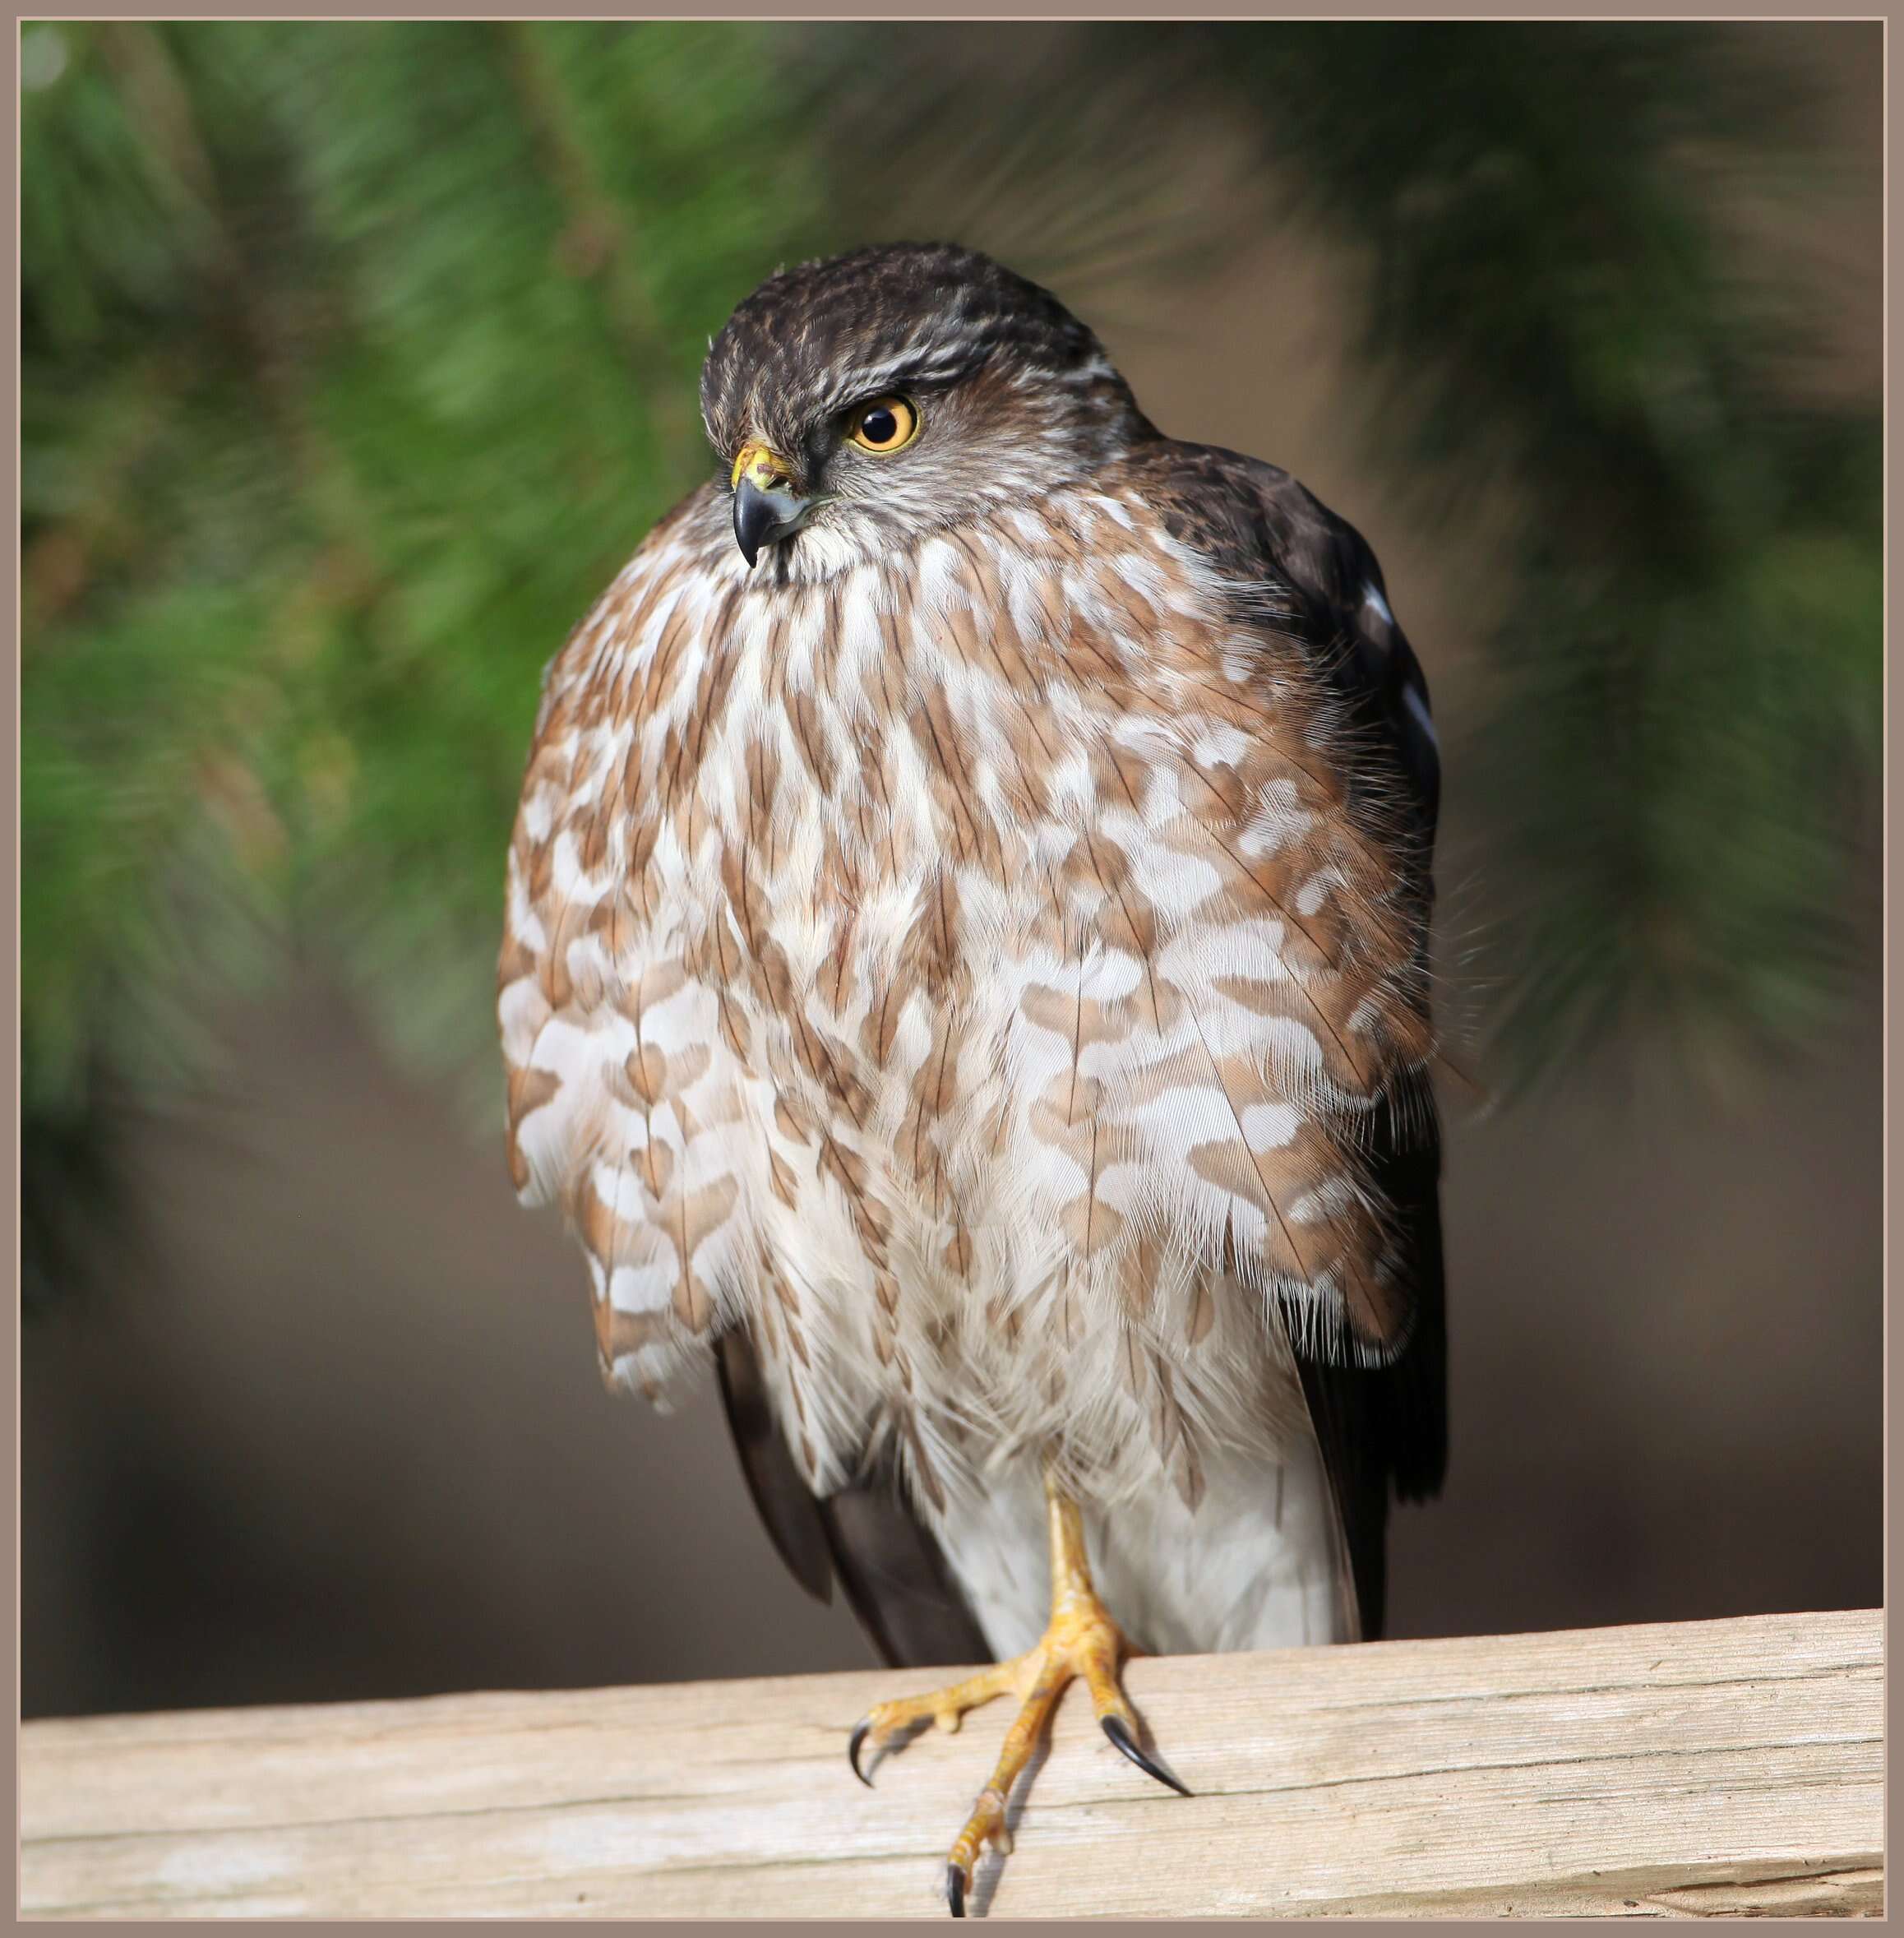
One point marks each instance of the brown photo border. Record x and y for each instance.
(1893, 863)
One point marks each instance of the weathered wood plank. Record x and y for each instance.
(1690, 1768)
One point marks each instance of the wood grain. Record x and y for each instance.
(1690, 1768)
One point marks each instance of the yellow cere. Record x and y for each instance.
(762, 463)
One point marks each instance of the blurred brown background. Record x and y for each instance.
(331, 1426)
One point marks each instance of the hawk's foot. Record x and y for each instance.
(1082, 1641)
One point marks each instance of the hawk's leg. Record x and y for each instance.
(1081, 1640)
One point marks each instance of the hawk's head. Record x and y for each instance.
(882, 395)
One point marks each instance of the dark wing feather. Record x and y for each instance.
(785, 1504)
(894, 1577)
(1381, 1428)
(1387, 1426)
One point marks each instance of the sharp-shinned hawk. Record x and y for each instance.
(966, 979)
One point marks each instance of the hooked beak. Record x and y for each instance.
(766, 506)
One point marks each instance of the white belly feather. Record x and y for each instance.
(1255, 1565)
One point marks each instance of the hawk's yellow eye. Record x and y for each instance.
(886, 424)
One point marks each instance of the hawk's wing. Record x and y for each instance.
(891, 1569)
(1385, 1425)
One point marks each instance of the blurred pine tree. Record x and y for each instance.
(356, 359)
(357, 356)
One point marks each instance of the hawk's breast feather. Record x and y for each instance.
(970, 971)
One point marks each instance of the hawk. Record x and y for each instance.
(966, 979)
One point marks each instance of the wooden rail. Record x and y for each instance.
(1718, 1766)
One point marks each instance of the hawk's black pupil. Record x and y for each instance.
(878, 427)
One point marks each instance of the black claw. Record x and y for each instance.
(1119, 1732)
(955, 1889)
(853, 1750)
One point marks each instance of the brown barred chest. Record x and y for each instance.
(963, 958)
(1017, 866)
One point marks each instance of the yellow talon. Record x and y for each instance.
(1081, 1640)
